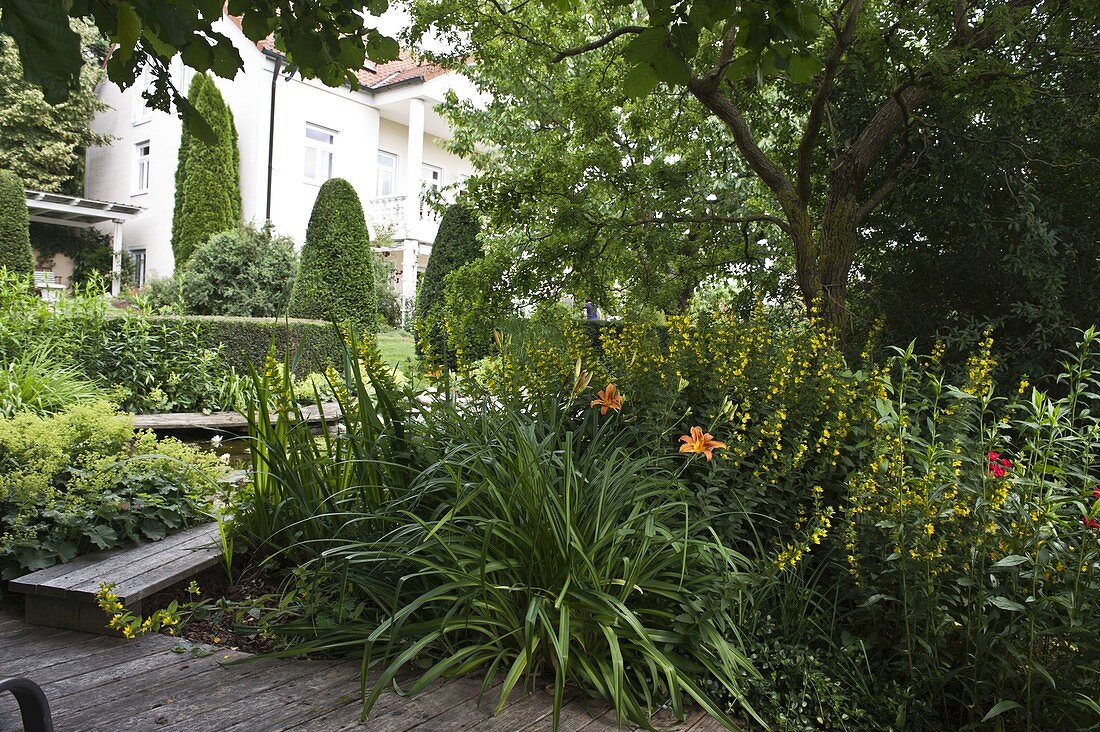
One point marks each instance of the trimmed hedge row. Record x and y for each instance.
(313, 344)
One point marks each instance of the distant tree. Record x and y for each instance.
(15, 238)
(208, 183)
(336, 278)
(455, 245)
(247, 272)
(42, 143)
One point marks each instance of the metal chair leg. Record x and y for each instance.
(33, 706)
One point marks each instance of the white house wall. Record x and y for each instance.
(360, 131)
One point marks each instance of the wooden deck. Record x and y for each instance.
(224, 421)
(100, 683)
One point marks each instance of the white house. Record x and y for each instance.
(385, 138)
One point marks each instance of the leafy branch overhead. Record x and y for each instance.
(327, 40)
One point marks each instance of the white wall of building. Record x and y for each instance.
(361, 123)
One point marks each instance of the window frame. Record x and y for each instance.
(319, 149)
(142, 167)
(137, 278)
(378, 174)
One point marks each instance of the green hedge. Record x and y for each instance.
(15, 242)
(313, 344)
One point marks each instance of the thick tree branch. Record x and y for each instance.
(706, 91)
(816, 116)
(599, 42)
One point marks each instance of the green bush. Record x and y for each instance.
(972, 537)
(145, 365)
(38, 381)
(84, 480)
(15, 242)
(244, 272)
(455, 244)
(208, 184)
(336, 278)
(497, 536)
(89, 249)
(240, 342)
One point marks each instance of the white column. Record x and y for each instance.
(414, 161)
(116, 258)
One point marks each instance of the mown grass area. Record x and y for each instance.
(397, 348)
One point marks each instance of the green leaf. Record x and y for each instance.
(1005, 604)
(640, 81)
(48, 48)
(129, 30)
(1000, 708)
(803, 67)
(1011, 560)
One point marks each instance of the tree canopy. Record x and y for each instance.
(208, 187)
(819, 133)
(43, 143)
(322, 39)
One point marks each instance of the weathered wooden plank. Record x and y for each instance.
(421, 708)
(127, 693)
(319, 686)
(94, 568)
(227, 421)
(178, 565)
(198, 697)
(347, 715)
(40, 652)
(470, 714)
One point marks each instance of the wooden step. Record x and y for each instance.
(63, 596)
(226, 421)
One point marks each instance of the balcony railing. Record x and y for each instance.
(390, 214)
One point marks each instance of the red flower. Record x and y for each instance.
(998, 466)
(1090, 522)
(1096, 492)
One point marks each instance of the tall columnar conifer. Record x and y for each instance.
(336, 277)
(455, 244)
(208, 186)
(15, 238)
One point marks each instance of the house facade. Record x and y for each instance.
(385, 138)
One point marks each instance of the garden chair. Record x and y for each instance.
(33, 706)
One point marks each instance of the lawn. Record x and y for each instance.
(397, 348)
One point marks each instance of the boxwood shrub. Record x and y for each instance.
(313, 344)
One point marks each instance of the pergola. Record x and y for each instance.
(82, 213)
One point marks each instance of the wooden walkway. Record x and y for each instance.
(224, 421)
(94, 682)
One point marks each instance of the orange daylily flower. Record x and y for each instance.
(608, 398)
(699, 442)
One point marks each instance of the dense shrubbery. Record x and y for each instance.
(84, 480)
(208, 184)
(144, 365)
(243, 342)
(15, 243)
(243, 272)
(336, 279)
(455, 245)
(535, 540)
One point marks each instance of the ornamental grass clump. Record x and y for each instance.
(522, 540)
(971, 540)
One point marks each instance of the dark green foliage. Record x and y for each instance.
(15, 242)
(89, 250)
(84, 480)
(246, 272)
(455, 245)
(336, 278)
(208, 186)
(313, 344)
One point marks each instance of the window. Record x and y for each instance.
(137, 264)
(319, 144)
(387, 174)
(141, 111)
(141, 171)
(432, 176)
